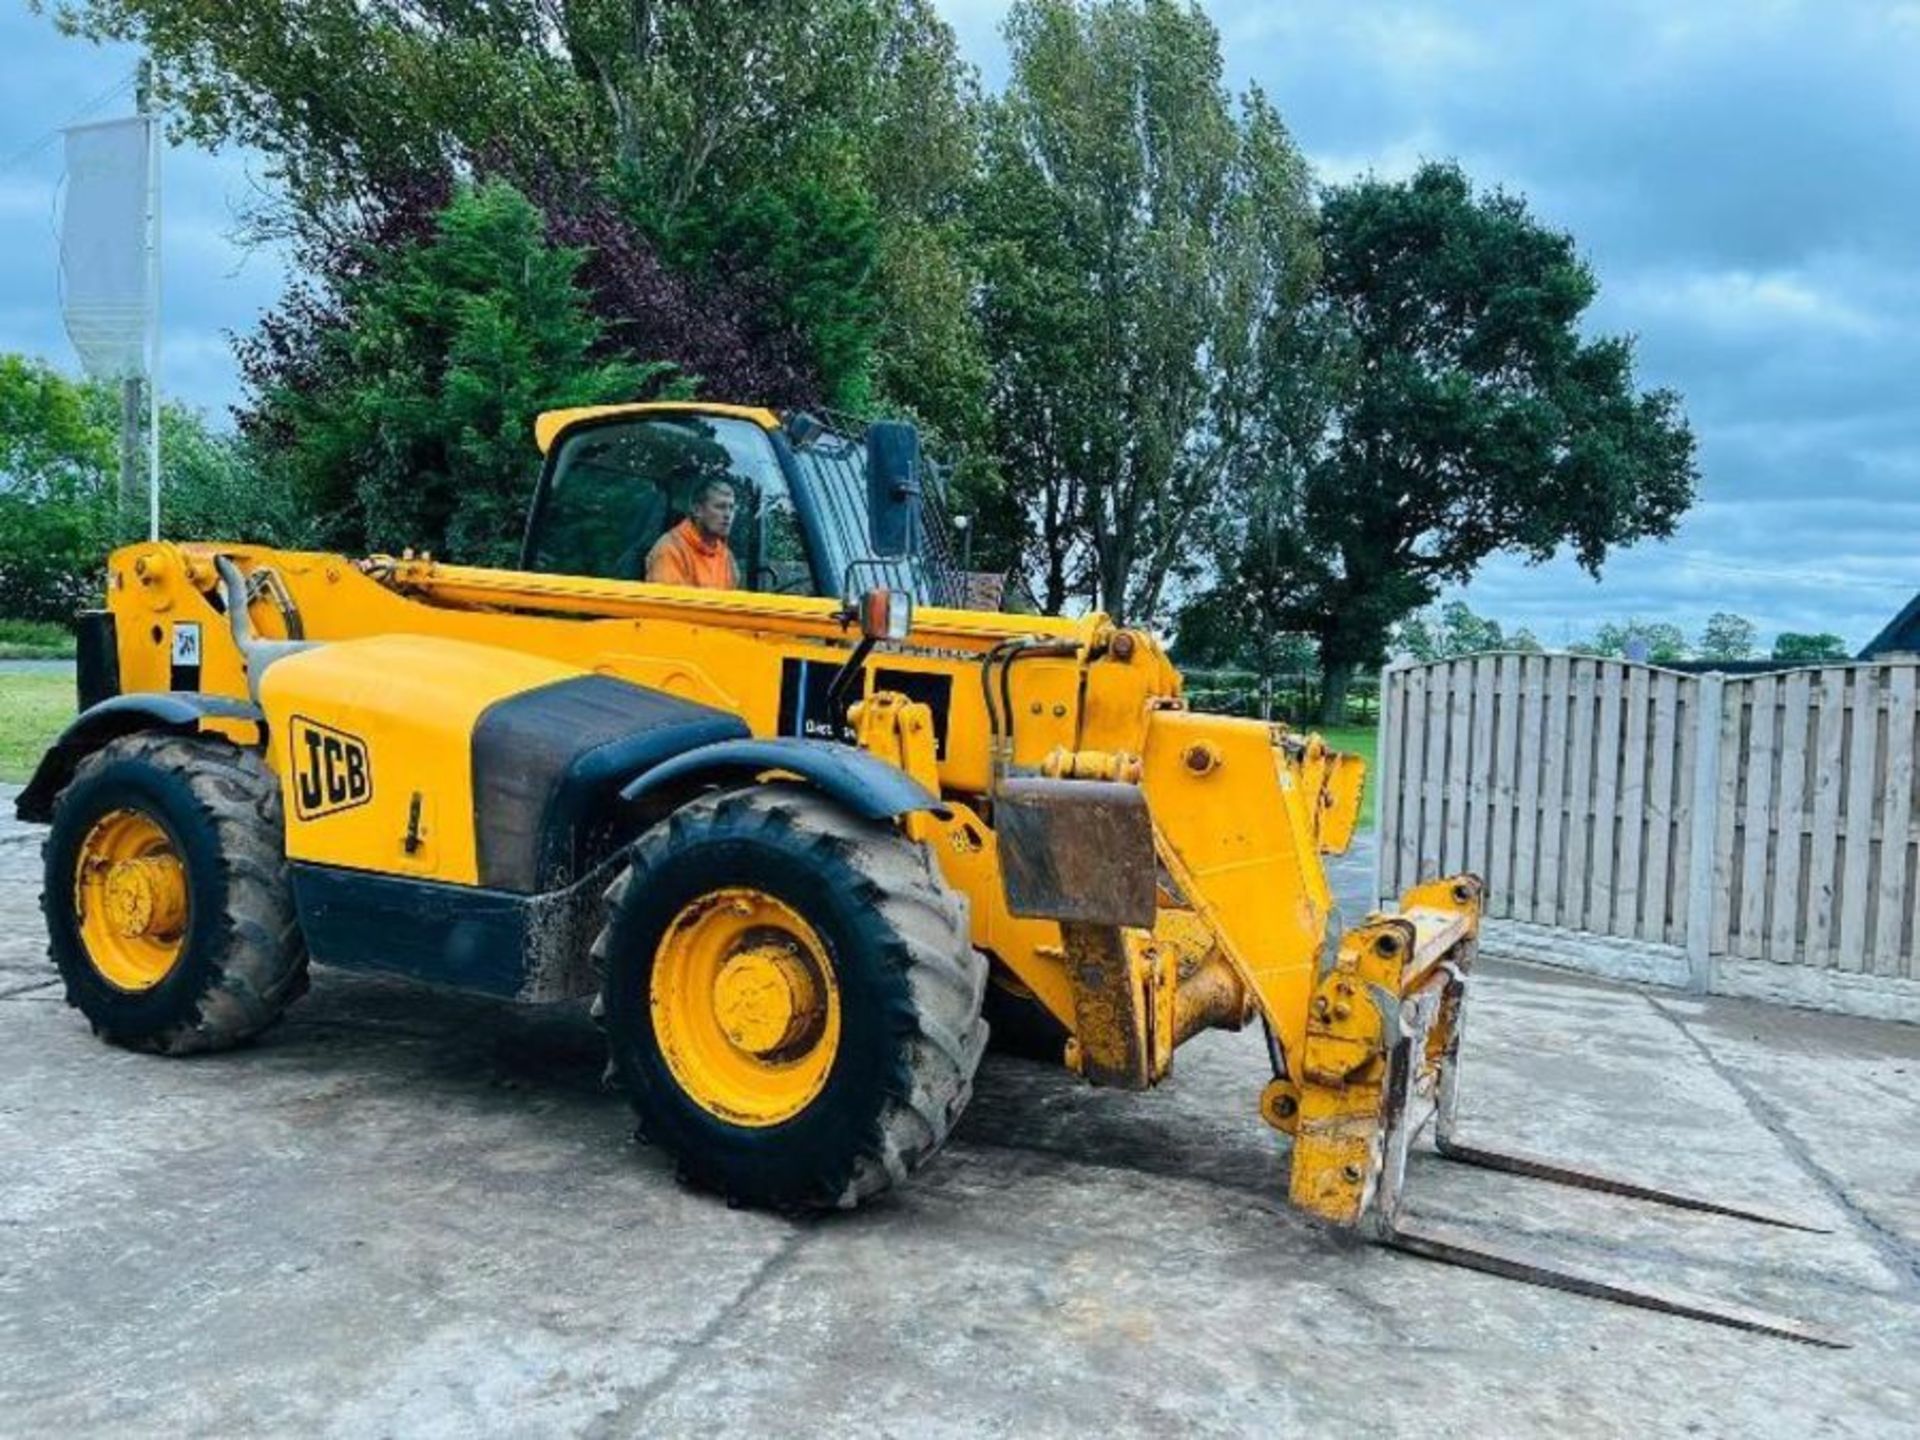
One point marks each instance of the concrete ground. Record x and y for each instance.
(414, 1214)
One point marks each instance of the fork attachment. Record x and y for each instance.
(1381, 1060)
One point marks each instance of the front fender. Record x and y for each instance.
(866, 786)
(177, 711)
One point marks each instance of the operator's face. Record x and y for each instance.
(713, 516)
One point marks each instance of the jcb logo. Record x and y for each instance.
(330, 770)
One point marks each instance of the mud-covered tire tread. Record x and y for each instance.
(245, 966)
(921, 940)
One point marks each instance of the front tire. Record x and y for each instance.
(169, 913)
(791, 998)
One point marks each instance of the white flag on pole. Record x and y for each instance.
(107, 280)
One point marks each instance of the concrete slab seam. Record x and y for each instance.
(1901, 1258)
(768, 1270)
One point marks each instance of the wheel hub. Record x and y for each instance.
(130, 900)
(767, 1000)
(147, 896)
(745, 1006)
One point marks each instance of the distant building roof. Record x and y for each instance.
(1901, 637)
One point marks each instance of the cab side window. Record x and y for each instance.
(617, 487)
(599, 517)
(771, 550)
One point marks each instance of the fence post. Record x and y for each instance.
(1710, 699)
(1383, 809)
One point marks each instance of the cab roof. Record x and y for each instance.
(547, 427)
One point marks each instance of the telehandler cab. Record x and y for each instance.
(798, 840)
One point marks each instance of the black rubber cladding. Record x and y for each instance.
(97, 657)
(548, 764)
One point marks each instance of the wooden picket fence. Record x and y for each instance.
(1750, 835)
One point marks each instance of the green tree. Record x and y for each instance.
(1210, 636)
(1803, 649)
(1459, 411)
(49, 441)
(415, 429)
(214, 485)
(812, 249)
(1726, 637)
(55, 506)
(59, 466)
(1663, 642)
(1448, 632)
(686, 97)
(817, 153)
(1141, 238)
(812, 155)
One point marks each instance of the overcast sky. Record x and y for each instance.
(1741, 173)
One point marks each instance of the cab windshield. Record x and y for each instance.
(620, 489)
(833, 467)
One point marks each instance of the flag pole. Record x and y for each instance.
(153, 291)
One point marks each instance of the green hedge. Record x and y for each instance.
(34, 640)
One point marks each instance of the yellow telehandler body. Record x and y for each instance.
(798, 847)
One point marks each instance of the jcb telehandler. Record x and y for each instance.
(787, 836)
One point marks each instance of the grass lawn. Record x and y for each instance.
(34, 640)
(1356, 740)
(33, 708)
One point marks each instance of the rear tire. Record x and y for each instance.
(906, 1031)
(237, 958)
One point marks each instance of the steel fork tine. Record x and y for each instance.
(1536, 1168)
(1511, 1266)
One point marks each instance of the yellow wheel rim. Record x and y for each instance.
(745, 1006)
(130, 897)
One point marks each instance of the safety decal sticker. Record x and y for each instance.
(184, 656)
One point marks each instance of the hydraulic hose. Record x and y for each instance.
(256, 654)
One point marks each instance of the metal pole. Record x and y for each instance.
(153, 290)
(130, 406)
(130, 388)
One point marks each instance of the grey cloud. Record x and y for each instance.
(1740, 175)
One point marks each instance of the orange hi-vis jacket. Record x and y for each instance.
(683, 556)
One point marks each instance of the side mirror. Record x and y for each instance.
(893, 488)
(886, 614)
(803, 429)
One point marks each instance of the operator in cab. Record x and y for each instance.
(695, 552)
